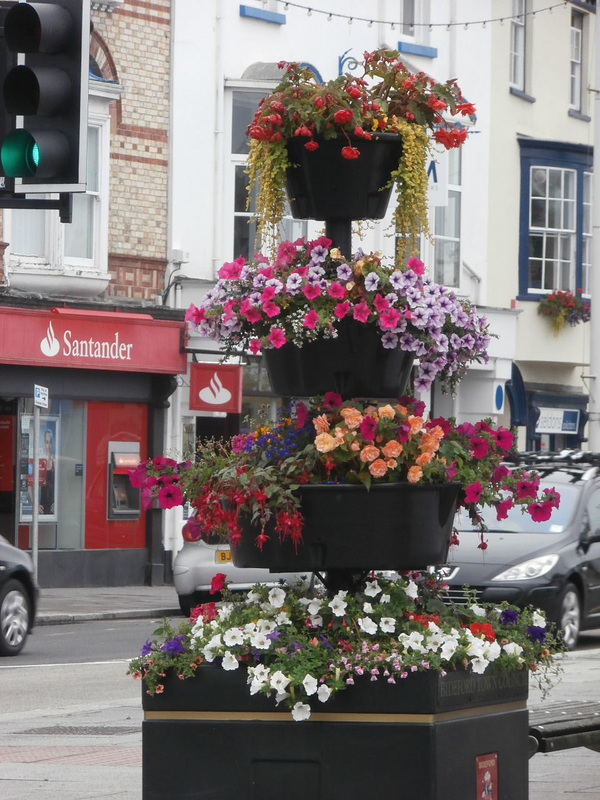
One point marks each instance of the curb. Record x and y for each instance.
(61, 618)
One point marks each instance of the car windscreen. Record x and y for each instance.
(519, 520)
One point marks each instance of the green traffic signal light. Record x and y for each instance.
(20, 155)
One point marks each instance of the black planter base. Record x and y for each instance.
(421, 740)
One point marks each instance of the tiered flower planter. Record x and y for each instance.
(426, 737)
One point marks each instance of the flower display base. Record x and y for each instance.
(347, 528)
(321, 184)
(354, 364)
(428, 736)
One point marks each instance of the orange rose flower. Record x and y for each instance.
(325, 442)
(392, 463)
(424, 458)
(321, 424)
(402, 410)
(415, 474)
(386, 412)
(429, 443)
(369, 453)
(392, 449)
(437, 432)
(352, 417)
(355, 447)
(416, 424)
(378, 468)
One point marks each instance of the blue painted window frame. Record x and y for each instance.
(562, 155)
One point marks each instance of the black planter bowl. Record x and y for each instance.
(321, 184)
(393, 526)
(354, 364)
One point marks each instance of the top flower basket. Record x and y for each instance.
(386, 101)
(561, 307)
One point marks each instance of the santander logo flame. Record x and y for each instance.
(50, 344)
(215, 393)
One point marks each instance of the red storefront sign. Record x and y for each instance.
(216, 387)
(91, 340)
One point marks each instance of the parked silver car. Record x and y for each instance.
(18, 598)
(199, 561)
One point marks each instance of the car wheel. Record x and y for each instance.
(14, 617)
(570, 615)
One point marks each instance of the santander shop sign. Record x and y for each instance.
(91, 340)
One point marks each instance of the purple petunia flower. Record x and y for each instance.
(536, 634)
(147, 648)
(509, 617)
(174, 646)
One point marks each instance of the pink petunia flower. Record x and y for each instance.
(310, 320)
(473, 492)
(337, 291)
(341, 310)
(361, 312)
(277, 338)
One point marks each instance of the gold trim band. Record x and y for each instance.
(277, 716)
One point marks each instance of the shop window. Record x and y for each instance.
(555, 230)
(576, 61)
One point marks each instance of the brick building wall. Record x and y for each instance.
(131, 44)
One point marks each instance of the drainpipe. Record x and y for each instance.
(594, 402)
(217, 245)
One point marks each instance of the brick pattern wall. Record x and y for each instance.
(135, 40)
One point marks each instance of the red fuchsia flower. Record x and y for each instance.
(502, 508)
(337, 291)
(483, 629)
(450, 138)
(436, 104)
(466, 109)
(354, 92)
(311, 290)
(361, 312)
(310, 320)
(350, 153)
(473, 492)
(138, 476)
(479, 448)
(504, 439)
(255, 346)
(552, 496)
(416, 266)
(319, 102)
(343, 116)
(360, 133)
(341, 310)
(160, 463)
(311, 146)
(217, 582)
(170, 496)
(277, 338)
(332, 400)
(367, 429)
(540, 512)
(466, 429)
(527, 488)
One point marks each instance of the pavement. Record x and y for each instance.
(62, 606)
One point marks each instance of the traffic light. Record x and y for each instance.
(45, 69)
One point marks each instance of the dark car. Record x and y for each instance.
(18, 598)
(553, 565)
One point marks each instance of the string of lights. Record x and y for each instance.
(370, 21)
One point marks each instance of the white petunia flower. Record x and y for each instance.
(229, 662)
(224, 610)
(412, 590)
(478, 611)
(277, 597)
(300, 712)
(310, 684)
(372, 589)
(265, 626)
(387, 624)
(232, 637)
(367, 608)
(314, 606)
(259, 673)
(448, 648)
(538, 619)
(513, 649)
(279, 682)
(252, 597)
(260, 641)
(367, 625)
(338, 605)
(316, 620)
(282, 619)
(324, 693)
(479, 665)
(385, 598)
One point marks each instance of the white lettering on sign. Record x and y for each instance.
(111, 350)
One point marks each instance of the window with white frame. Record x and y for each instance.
(575, 96)
(555, 217)
(517, 45)
(37, 237)
(552, 232)
(446, 227)
(586, 244)
(244, 103)
(408, 17)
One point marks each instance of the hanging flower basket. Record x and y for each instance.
(394, 526)
(322, 184)
(354, 364)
